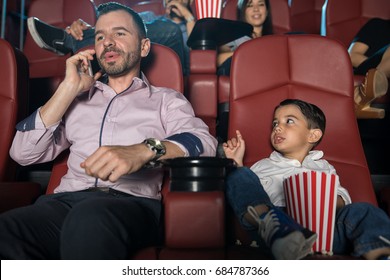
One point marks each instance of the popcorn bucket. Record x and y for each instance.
(208, 8)
(311, 201)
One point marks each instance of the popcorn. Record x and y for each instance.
(208, 8)
(311, 201)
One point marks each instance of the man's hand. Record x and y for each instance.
(235, 148)
(111, 162)
(76, 80)
(77, 70)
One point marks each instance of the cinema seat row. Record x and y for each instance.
(264, 71)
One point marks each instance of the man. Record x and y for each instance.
(108, 204)
(171, 30)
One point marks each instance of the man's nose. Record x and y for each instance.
(108, 41)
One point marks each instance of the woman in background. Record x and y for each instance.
(258, 14)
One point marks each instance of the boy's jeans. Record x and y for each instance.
(358, 225)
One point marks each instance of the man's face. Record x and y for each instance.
(118, 46)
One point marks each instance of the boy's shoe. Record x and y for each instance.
(47, 36)
(286, 238)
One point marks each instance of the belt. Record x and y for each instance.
(106, 190)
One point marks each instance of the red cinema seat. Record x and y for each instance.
(13, 104)
(306, 15)
(317, 69)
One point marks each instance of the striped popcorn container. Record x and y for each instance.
(208, 8)
(311, 201)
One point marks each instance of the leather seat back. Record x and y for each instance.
(13, 102)
(313, 68)
(306, 15)
(316, 69)
(341, 20)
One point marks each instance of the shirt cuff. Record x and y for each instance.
(189, 141)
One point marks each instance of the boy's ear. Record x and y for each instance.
(315, 135)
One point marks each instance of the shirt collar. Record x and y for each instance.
(137, 84)
(312, 156)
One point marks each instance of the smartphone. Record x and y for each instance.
(94, 66)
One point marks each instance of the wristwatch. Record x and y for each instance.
(156, 146)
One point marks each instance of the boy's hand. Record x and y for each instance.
(235, 148)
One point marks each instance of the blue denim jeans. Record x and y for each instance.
(358, 225)
(162, 31)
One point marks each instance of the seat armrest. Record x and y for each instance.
(195, 219)
(18, 194)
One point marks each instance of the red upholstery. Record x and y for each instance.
(280, 11)
(317, 69)
(229, 9)
(306, 15)
(155, 68)
(155, 6)
(13, 102)
(13, 107)
(343, 19)
(308, 67)
(202, 86)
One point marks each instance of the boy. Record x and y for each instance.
(256, 194)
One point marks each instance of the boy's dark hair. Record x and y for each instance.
(314, 115)
(108, 7)
(267, 25)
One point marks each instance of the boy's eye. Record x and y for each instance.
(274, 124)
(290, 121)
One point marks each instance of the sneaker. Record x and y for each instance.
(47, 36)
(286, 238)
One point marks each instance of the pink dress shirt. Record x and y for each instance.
(101, 117)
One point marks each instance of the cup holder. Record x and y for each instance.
(196, 174)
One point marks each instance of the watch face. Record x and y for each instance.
(156, 146)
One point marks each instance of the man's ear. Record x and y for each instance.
(315, 135)
(145, 47)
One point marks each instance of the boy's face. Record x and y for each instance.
(290, 134)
